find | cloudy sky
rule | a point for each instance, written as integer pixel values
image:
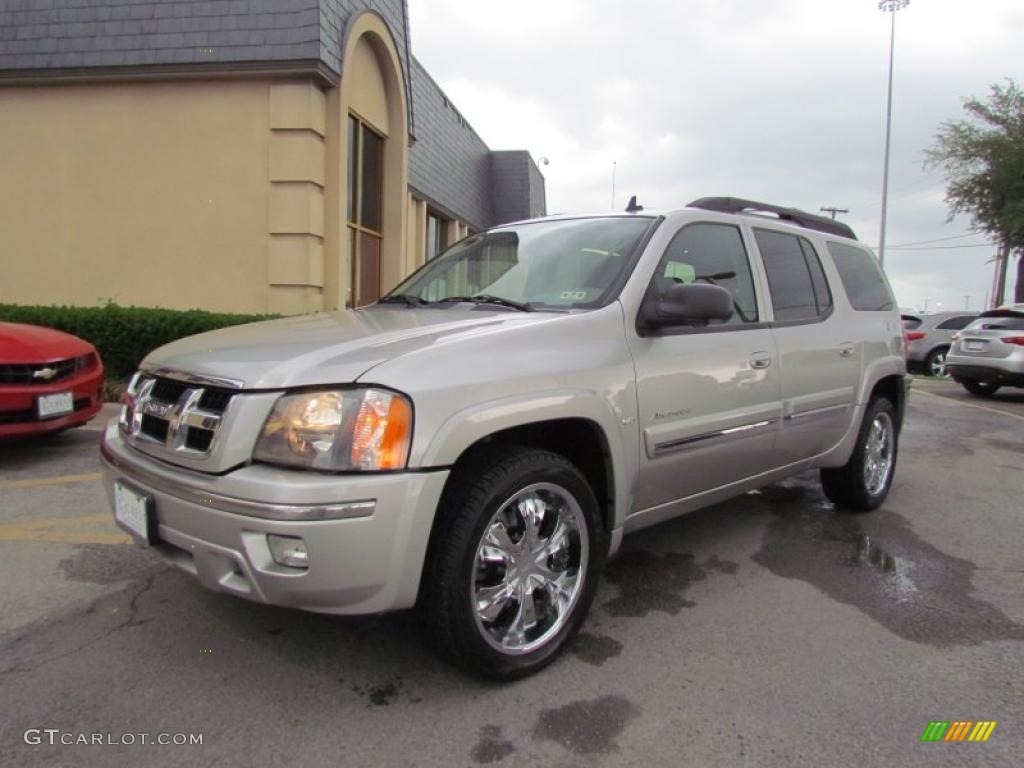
(774, 100)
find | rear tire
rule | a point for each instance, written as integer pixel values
(513, 563)
(981, 388)
(862, 484)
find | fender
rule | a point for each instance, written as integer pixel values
(875, 371)
(465, 427)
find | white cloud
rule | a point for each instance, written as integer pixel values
(782, 100)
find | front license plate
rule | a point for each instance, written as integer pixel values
(134, 511)
(59, 404)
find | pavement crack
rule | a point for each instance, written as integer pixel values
(132, 620)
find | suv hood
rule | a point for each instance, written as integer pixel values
(335, 348)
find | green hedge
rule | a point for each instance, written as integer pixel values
(124, 335)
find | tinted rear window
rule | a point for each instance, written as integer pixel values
(1014, 323)
(955, 323)
(795, 278)
(862, 279)
(910, 322)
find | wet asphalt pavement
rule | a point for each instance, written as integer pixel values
(767, 631)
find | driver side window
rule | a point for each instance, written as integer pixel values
(711, 253)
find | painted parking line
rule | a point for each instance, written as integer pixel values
(65, 530)
(1001, 412)
(39, 482)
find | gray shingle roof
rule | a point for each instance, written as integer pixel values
(68, 34)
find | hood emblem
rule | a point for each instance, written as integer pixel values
(44, 373)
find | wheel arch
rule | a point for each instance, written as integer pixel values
(580, 440)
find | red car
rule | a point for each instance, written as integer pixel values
(49, 380)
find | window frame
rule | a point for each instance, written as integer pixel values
(802, 241)
(756, 277)
(356, 228)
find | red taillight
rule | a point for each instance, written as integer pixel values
(1018, 340)
(915, 335)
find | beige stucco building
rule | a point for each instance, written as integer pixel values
(246, 156)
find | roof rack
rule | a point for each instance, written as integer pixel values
(794, 215)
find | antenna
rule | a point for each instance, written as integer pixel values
(633, 207)
(834, 211)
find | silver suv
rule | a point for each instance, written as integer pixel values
(478, 443)
(989, 353)
(929, 337)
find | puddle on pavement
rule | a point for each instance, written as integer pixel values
(1013, 446)
(904, 583)
(649, 581)
(491, 748)
(587, 727)
(594, 649)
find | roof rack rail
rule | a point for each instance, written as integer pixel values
(794, 215)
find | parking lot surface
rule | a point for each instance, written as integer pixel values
(766, 631)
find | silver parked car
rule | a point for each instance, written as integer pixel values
(478, 443)
(989, 353)
(929, 337)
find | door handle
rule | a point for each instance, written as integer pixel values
(760, 360)
(846, 349)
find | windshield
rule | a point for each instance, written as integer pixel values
(561, 264)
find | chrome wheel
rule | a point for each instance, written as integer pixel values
(878, 453)
(937, 365)
(529, 568)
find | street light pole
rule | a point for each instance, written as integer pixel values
(890, 7)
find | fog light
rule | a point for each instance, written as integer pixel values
(288, 550)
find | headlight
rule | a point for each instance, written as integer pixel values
(337, 430)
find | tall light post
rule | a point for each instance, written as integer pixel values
(890, 7)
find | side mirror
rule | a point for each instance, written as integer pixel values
(688, 304)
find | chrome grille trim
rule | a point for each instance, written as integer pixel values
(192, 378)
(179, 426)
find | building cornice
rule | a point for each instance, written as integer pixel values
(306, 68)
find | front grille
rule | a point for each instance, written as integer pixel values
(29, 414)
(16, 417)
(184, 417)
(155, 428)
(215, 400)
(42, 373)
(199, 439)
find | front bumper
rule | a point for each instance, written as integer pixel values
(18, 404)
(215, 528)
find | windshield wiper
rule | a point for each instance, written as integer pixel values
(485, 298)
(403, 298)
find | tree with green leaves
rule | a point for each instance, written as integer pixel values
(983, 158)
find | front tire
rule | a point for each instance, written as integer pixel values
(514, 562)
(981, 388)
(862, 484)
